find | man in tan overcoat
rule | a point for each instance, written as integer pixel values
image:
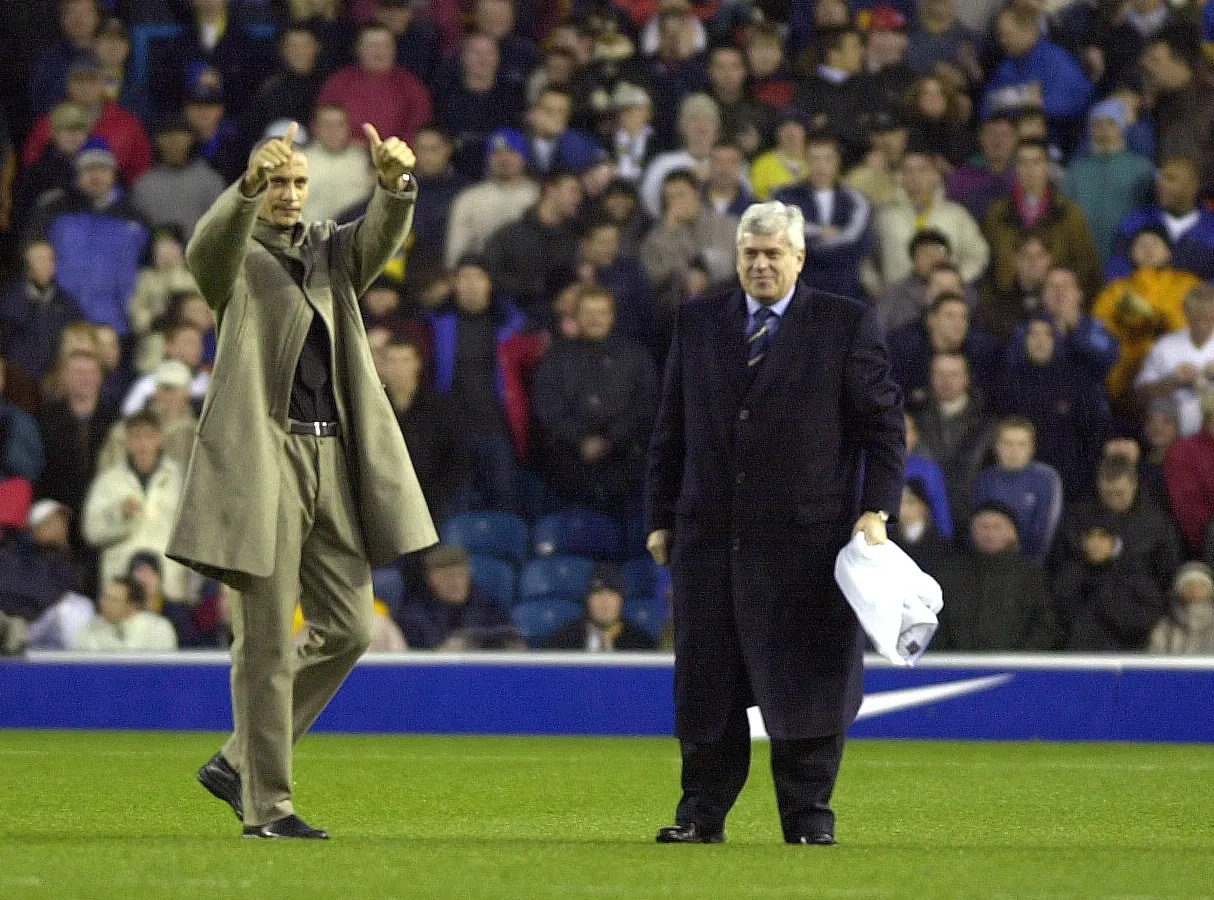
(299, 480)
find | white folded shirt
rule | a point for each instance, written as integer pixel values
(895, 601)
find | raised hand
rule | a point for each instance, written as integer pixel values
(268, 157)
(392, 158)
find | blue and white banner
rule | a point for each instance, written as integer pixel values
(955, 697)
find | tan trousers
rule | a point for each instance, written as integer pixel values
(280, 686)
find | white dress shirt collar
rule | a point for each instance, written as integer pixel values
(779, 307)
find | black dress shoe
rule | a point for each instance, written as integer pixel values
(287, 827)
(690, 834)
(218, 777)
(816, 839)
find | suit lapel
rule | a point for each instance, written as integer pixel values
(730, 344)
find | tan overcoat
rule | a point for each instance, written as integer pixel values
(225, 524)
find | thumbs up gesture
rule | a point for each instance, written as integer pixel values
(268, 157)
(392, 158)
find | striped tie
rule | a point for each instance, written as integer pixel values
(758, 340)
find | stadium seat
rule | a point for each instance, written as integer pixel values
(579, 532)
(539, 618)
(649, 613)
(388, 583)
(494, 577)
(488, 532)
(640, 577)
(555, 578)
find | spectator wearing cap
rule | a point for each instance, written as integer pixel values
(1105, 602)
(170, 402)
(473, 103)
(21, 453)
(885, 49)
(1188, 471)
(182, 185)
(34, 310)
(1110, 182)
(938, 36)
(1140, 308)
(922, 205)
(835, 95)
(550, 144)
(916, 531)
(78, 24)
(121, 131)
(1183, 92)
(785, 164)
(744, 121)
(1035, 72)
(877, 176)
(501, 198)
(339, 167)
(377, 90)
(113, 48)
(530, 258)
(592, 404)
(603, 630)
(1181, 363)
(452, 613)
(99, 238)
(633, 139)
(1188, 625)
(131, 506)
(470, 341)
(930, 477)
(37, 565)
(1188, 225)
(995, 598)
(220, 142)
(1037, 208)
(122, 624)
(699, 131)
(289, 92)
(838, 222)
(55, 168)
(988, 175)
(905, 301)
(1148, 534)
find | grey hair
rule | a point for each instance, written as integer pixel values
(773, 218)
(699, 105)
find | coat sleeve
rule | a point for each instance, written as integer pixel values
(367, 244)
(664, 472)
(873, 414)
(23, 456)
(632, 426)
(103, 523)
(221, 240)
(971, 250)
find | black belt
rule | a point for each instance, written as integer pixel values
(316, 429)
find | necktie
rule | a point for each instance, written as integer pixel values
(758, 339)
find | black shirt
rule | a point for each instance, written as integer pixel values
(312, 389)
(475, 387)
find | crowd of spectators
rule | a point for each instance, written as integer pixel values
(1022, 188)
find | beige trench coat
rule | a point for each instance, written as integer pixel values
(225, 525)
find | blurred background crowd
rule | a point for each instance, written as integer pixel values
(1022, 190)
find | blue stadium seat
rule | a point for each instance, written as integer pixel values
(649, 613)
(490, 533)
(580, 532)
(539, 618)
(494, 577)
(388, 584)
(640, 577)
(555, 578)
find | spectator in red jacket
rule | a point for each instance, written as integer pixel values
(123, 133)
(377, 90)
(1188, 470)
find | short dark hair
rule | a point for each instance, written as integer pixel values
(929, 236)
(1183, 42)
(681, 175)
(1040, 144)
(1016, 421)
(144, 418)
(999, 508)
(832, 39)
(134, 590)
(1116, 466)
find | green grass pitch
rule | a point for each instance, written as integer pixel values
(101, 815)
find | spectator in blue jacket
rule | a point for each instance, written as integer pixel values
(943, 328)
(21, 453)
(1035, 72)
(553, 146)
(100, 239)
(468, 340)
(34, 310)
(1068, 406)
(453, 614)
(838, 221)
(1031, 488)
(1189, 226)
(930, 476)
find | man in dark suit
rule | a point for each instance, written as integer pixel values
(779, 436)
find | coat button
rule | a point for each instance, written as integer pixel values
(740, 477)
(743, 415)
(737, 544)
